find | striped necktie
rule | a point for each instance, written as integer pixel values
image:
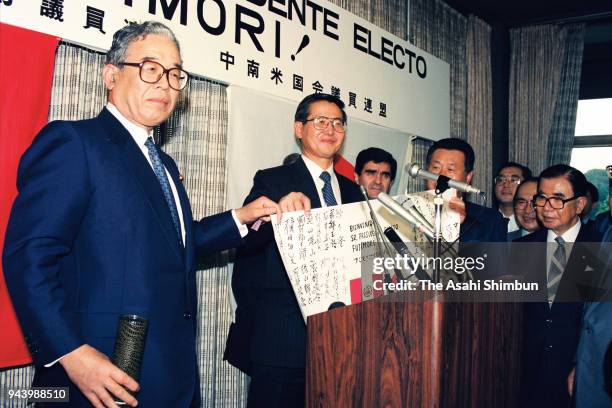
(557, 266)
(160, 172)
(328, 193)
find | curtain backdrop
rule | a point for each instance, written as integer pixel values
(465, 44)
(561, 140)
(479, 103)
(440, 30)
(419, 153)
(545, 67)
(390, 15)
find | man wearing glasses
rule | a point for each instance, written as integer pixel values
(551, 327)
(102, 227)
(507, 180)
(524, 209)
(268, 339)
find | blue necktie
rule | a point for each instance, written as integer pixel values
(160, 172)
(328, 193)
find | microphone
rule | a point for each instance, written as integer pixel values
(409, 205)
(416, 171)
(403, 250)
(380, 242)
(400, 211)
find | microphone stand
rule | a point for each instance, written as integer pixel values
(441, 187)
(380, 238)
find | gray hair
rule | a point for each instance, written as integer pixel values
(134, 31)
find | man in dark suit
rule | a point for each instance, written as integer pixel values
(454, 158)
(102, 227)
(524, 210)
(550, 328)
(268, 339)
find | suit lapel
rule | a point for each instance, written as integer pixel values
(345, 190)
(138, 165)
(303, 182)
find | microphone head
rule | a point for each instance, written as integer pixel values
(383, 197)
(413, 170)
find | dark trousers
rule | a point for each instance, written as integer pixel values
(276, 387)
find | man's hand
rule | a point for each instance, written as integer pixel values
(458, 205)
(294, 202)
(98, 378)
(570, 381)
(263, 207)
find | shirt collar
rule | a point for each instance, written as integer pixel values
(314, 169)
(138, 134)
(568, 236)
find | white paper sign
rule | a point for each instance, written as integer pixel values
(323, 252)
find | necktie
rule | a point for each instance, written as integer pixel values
(557, 266)
(160, 172)
(328, 193)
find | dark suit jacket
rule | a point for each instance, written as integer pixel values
(550, 334)
(91, 238)
(481, 229)
(269, 327)
(482, 224)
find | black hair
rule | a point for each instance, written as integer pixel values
(574, 176)
(592, 192)
(291, 158)
(452, 143)
(525, 171)
(376, 155)
(303, 109)
(529, 180)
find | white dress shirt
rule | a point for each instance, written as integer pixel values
(512, 225)
(315, 172)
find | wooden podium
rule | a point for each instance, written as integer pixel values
(419, 353)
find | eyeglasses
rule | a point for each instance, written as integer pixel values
(507, 179)
(556, 203)
(521, 204)
(322, 123)
(151, 72)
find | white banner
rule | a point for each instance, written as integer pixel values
(287, 48)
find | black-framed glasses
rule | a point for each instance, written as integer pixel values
(151, 72)
(522, 203)
(507, 179)
(322, 123)
(556, 203)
